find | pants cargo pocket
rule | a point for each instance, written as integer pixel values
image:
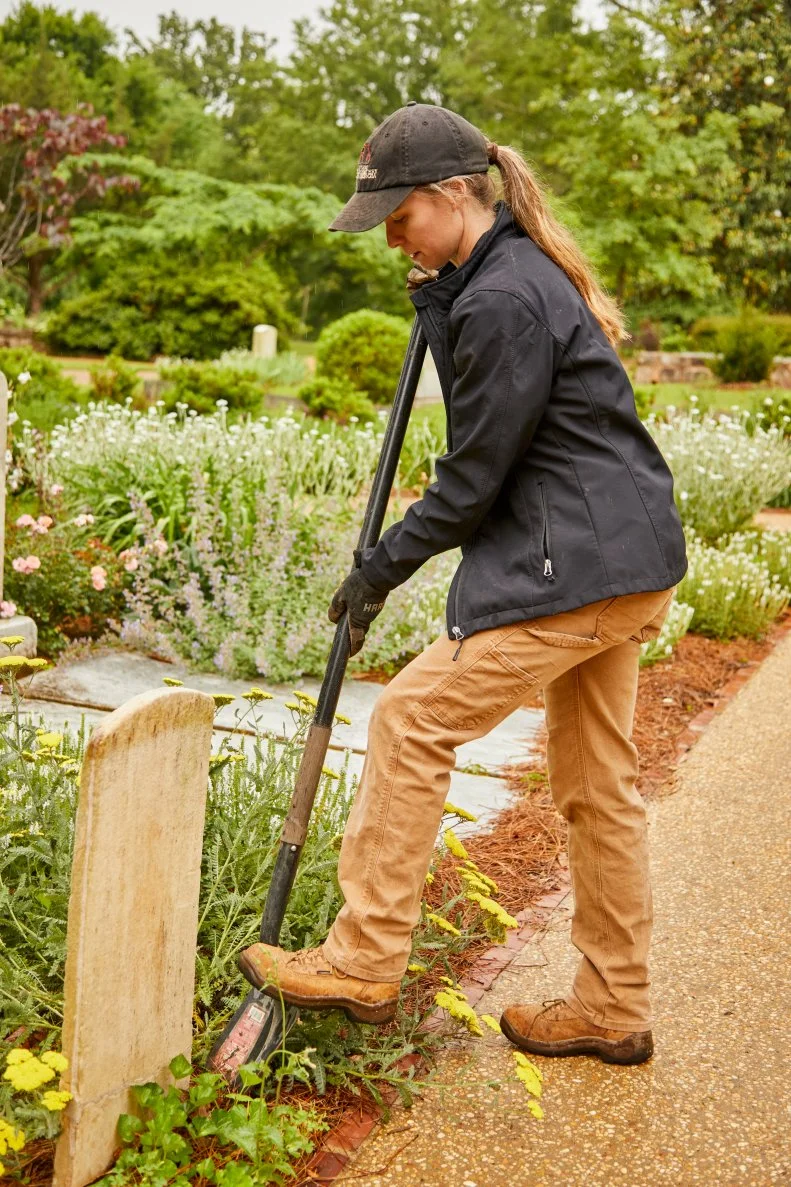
(489, 687)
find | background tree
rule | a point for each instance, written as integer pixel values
(42, 183)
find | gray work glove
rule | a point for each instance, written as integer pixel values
(362, 601)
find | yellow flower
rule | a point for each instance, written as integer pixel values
(55, 1101)
(10, 1138)
(328, 771)
(343, 719)
(12, 640)
(295, 705)
(55, 1059)
(18, 1055)
(492, 908)
(477, 873)
(536, 1110)
(462, 813)
(172, 682)
(454, 844)
(28, 1076)
(306, 697)
(11, 662)
(429, 879)
(222, 698)
(492, 1023)
(256, 694)
(473, 881)
(528, 1073)
(48, 741)
(460, 1010)
(444, 924)
(415, 968)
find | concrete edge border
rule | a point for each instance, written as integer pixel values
(346, 1138)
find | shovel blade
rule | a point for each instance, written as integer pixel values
(255, 1032)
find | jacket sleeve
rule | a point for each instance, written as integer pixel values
(504, 365)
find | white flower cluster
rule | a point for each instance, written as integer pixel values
(723, 474)
(733, 588)
(114, 448)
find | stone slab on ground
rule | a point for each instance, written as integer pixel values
(712, 1106)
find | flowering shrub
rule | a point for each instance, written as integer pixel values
(62, 576)
(722, 473)
(236, 535)
(732, 589)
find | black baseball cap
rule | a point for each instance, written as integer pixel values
(417, 144)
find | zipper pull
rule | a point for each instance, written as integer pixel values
(548, 569)
(458, 635)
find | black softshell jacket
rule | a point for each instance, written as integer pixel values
(552, 486)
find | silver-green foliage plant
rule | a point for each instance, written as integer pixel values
(675, 626)
(723, 474)
(733, 589)
(284, 369)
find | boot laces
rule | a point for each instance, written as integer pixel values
(312, 960)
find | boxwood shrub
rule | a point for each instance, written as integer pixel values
(366, 349)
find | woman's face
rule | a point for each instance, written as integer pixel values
(427, 228)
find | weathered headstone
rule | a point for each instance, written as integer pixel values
(17, 624)
(133, 915)
(264, 342)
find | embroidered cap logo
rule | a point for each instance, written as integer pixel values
(364, 171)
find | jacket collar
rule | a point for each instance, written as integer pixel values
(442, 292)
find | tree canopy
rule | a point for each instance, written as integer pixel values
(663, 136)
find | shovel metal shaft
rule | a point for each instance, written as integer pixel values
(256, 1028)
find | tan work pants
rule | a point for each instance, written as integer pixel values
(586, 661)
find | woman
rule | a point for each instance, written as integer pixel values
(563, 509)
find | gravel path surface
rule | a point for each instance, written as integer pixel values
(713, 1105)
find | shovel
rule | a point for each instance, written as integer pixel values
(260, 1023)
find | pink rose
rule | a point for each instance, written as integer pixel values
(45, 521)
(98, 577)
(56, 489)
(160, 546)
(129, 558)
(25, 521)
(25, 564)
(7, 609)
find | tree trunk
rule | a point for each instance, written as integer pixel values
(35, 283)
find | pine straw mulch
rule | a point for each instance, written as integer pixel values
(524, 850)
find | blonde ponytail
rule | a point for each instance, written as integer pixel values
(524, 196)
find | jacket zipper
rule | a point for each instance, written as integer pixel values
(458, 633)
(547, 537)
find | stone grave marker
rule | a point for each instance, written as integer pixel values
(133, 915)
(264, 342)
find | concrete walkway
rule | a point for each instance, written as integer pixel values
(712, 1106)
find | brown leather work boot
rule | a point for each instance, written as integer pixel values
(307, 979)
(553, 1028)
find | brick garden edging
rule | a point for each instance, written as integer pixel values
(338, 1148)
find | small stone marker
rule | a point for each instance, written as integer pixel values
(133, 916)
(18, 624)
(264, 342)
